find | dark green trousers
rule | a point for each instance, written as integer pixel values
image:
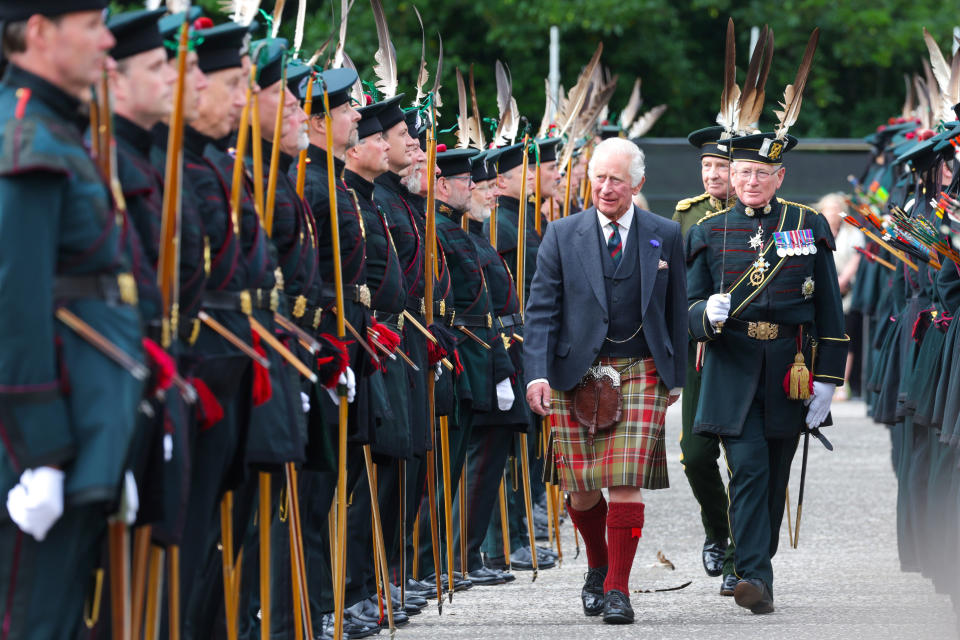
(760, 469)
(459, 441)
(699, 455)
(486, 455)
(43, 585)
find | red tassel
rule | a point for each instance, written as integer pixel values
(435, 353)
(209, 411)
(162, 365)
(636, 532)
(331, 366)
(386, 338)
(261, 376)
(457, 365)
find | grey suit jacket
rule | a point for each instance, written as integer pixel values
(566, 316)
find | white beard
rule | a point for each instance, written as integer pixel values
(412, 181)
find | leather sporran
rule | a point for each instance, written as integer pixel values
(597, 400)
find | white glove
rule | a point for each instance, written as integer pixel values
(718, 307)
(348, 379)
(505, 395)
(437, 372)
(818, 405)
(305, 401)
(167, 447)
(129, 500)
(37, 501)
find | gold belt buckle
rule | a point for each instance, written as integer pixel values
(364, 292)
(489, 321)
(423, 307)
(400, 321)
(453, 314)
(246, 302)
(127, 285)
(443, 307)
(316, 317)
(299, 306)
(763, 330)
(274, 300)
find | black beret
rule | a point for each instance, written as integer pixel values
(18, 10)
(338, 83)
(135, 32)
(455, 162)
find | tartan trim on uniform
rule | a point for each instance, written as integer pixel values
(633, 453)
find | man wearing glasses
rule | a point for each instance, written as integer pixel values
(763, 295)
(699, 454)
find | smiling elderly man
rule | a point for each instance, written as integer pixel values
(764, 296)
(605, 338)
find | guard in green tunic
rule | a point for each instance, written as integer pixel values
(763, 294)
(67, 410)
(699, 454)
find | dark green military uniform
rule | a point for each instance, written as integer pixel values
(793, 300)
(62, 402)
(699, 454)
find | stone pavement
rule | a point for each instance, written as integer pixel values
(843, 581)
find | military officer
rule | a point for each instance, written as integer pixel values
(763, 271)
(68, 410)
(492, 437)
(366, 161)
(318, 484)
(699, 454)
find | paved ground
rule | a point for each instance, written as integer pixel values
(842, 582)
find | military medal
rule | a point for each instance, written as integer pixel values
(807, 288)
(756, 241)
(760, 267)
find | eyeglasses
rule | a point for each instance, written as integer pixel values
(760, 175)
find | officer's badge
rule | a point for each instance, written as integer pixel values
(807, 288)
(756, 241)
(772, 149)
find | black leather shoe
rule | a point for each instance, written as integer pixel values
(354, 628)
(616, 608)
(409, 599)
(545, 554)
(592, 592)
(713, 552)
(497, 563)
(459, 583)
(755, 595)
(728, 585)
(420, 588)
(523, 561)
(365, 612)
(485, 577)
(506, 576)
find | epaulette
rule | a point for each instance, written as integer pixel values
(714, 214)
(686, 203)
(797, 204)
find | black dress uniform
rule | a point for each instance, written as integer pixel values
(493, 432)
(785, 301)
(62, 402)
(700, 454)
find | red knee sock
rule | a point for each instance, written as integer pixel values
(624, 526)
(592, 525)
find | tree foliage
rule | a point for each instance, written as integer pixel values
(677, 49)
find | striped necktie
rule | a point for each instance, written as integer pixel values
(615, 244)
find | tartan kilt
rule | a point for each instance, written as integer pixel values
(632, 453)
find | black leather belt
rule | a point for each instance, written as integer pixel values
(473, 321)
(510, 320)
(762, 330)
(359, 293)
(120, 288)
(393, 320)
(244, 301)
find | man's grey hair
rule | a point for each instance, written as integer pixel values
(624, 147)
